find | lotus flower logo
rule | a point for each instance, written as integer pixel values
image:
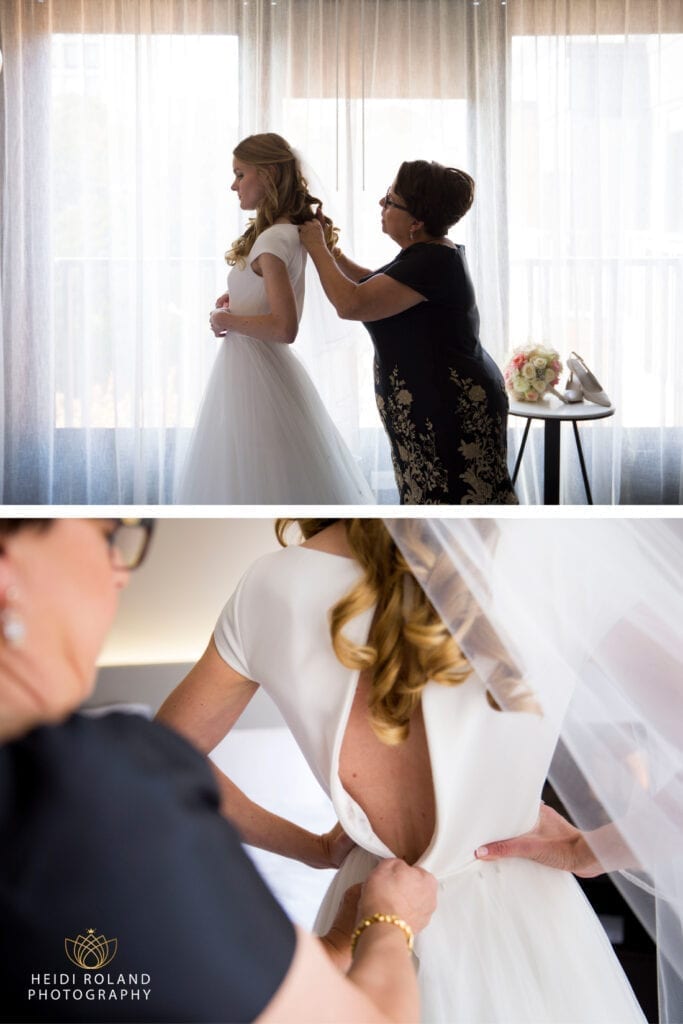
(90, 951)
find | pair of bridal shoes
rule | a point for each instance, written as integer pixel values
(582, 384)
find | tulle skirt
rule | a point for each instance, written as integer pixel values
(264, 437)
(510, 942)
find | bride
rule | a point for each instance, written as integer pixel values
(263, 435)
(421, 759)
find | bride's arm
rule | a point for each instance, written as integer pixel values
(203, 708)
(281, 324)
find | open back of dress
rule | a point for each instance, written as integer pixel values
(392, 784)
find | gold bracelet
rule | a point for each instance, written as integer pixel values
(383, 919)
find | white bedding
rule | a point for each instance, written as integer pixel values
(267, 764)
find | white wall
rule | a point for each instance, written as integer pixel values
(168, 611)
(151, 684)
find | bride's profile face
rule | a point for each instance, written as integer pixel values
(248, 184)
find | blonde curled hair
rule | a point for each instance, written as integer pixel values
(409, 644)
(286, 192)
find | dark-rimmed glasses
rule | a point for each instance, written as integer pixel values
(130, 540)
(388, 201)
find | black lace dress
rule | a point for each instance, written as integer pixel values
(440, 395)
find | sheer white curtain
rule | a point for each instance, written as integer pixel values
(118, 124)
(596, 226)
(119, 117)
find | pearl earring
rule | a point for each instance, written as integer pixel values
(12, 626)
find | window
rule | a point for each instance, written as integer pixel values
(142, 131)
(597, 238)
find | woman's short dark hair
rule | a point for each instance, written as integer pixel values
(11, 526)
(437, 195)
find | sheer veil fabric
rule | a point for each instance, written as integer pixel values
(579, 621)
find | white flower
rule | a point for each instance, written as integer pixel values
(530, 380)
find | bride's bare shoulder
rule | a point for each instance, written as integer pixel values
(332, 540)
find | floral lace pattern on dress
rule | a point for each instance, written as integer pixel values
(421, 477)
(486, 474)
(478, 436)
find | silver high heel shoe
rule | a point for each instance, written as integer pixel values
(590, 385)
(572, 391)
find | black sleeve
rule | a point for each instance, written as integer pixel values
(113, 855)
(437, 272)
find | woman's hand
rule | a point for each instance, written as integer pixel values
(223, 301)
(552, 841)
(396, 888)
(311, 235)
(337, 941)
(219, 321)
(335, 846)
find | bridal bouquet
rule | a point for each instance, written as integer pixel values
(531, 371)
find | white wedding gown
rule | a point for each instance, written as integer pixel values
(263, 435)
(510, 941)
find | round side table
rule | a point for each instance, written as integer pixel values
(553, 412)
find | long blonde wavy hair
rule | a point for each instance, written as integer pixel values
(408, 644)
(286, 190)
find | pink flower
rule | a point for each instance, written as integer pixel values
(519, 360)
(531, 395)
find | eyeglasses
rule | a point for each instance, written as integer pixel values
(388, 201)
(130, 540)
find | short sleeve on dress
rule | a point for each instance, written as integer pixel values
(435, 271)
(227, 635)
(280, 240)
(111, 829)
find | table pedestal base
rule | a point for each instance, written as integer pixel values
(551, 461)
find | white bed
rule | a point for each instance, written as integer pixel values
(267, 764)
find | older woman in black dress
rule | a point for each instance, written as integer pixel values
(113, 823)
(440, 395)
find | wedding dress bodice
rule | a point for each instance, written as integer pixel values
(246, 288)
(275, 630)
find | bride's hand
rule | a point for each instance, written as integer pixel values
(311, 235)
(223, 301)
(337, 941)
(335, 846)
(219, 321)
(552, 841)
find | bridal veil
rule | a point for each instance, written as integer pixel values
(580, 621)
